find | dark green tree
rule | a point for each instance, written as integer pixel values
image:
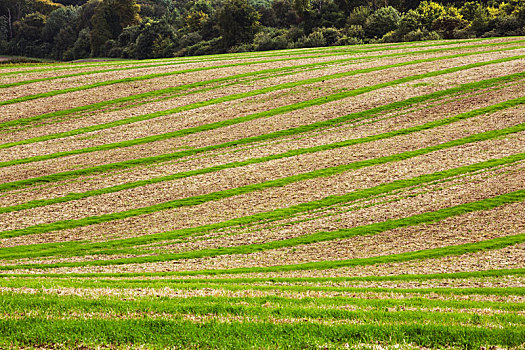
(109, 18)
(238, 22)
(28, 36)
(382, 21)
(156, 40)
(60, 19)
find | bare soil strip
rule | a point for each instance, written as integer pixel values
(403, 208)
(269, 199)
(93, 95)
(334, 135)
(35, 72)
(78, 81)
(473, 227)
(218, 157)
(252, 128)
(136, 87)
(136, 293)
(330, 70)
(329, 218)
(257, 173)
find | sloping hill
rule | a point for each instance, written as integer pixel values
(364, 196)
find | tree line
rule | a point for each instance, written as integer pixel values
(75, 29)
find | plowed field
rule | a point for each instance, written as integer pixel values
(366, 197)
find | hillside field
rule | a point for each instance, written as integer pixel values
(368, 196)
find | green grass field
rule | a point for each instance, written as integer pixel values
(369, 197)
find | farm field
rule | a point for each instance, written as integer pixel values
(368, 196)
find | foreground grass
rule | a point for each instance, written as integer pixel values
(180, 333)
(253, 322)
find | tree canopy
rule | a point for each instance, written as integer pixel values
(72, 29)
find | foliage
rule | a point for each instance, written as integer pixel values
(270, 39)
(238, 22)
(58, 29)
(382, 21)
(449, 23)
(109, 18)
(359, 15)
(156, 39)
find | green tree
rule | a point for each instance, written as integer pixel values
(28, 36)
(196, 20)
(43, 6)
(410, 21)
(382, 21)
(81, 48)
(359, 15)
(448, 23)
(238, 22)
(302, 7)
(60, 19)
(429, 12)
(156, 39)
(109, 18)
(285, 14)
(4, 29)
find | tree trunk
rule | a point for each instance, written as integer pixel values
(9, 21)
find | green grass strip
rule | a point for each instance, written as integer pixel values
(59, 307)
(80, 248)
(125, 80)
(196, 200)
(80, 74)
(12, 301)
(248, 280)
(87, 281)
(392, 278)
(245, 55)
(179, 62)
(184, 334)
(371, 229)
(24, 121)
(157, 92)
(144, 77)
(264, 114)
(490, 244)
(442, 122)
(287, 132)
(156, 75)
(151, 94)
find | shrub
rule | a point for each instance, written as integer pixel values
(355, 31)
(420, 35)
(81, 48)
(348, 40)
(330, 35)
(359, 15)
(202, 48)
(390, 37)
(155, 40)
(270, 39)
(410, 21)
(429, 12)
(382, 21)
(315, 39)
(450, 22)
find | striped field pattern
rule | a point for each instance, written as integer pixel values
(366, 197)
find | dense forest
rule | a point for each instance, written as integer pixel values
(74, 29)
